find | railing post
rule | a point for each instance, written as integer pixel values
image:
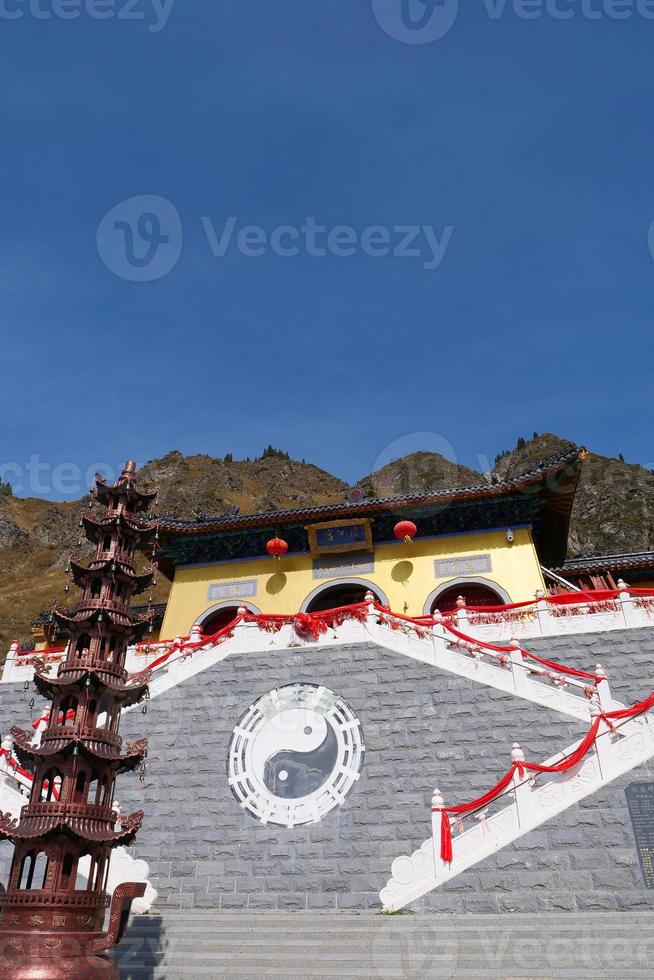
(9, 671)
(543, 614)
(603, 743)
(462, 614)
(371, 612)
(522, 790)
(518, 668)
(241, 631)
(437, 627)
(629, 609)
(437, 805)
(5, 754)
(603, 689)
(41, 726)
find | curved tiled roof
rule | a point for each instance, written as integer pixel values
(600, 563)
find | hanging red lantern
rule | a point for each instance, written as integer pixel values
(277, 547)
(405, 530)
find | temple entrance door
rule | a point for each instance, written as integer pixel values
(219, 620)
(345, 594)
(474, 595)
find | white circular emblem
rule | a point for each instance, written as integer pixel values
(295, 755)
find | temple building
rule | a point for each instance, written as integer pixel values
(488, 543)
(385, 704)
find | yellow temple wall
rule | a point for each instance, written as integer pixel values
(405, 573)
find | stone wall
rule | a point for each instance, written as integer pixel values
(422, 727)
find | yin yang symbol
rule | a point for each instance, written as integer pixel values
(295, 755)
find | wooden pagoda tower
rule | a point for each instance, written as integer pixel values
(52, 916)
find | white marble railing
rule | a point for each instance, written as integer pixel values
(543, 618)
(525, 806)
(432, 645)
(512, 672)
(546, 618)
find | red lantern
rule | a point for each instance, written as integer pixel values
(276, 547)
(405, 530)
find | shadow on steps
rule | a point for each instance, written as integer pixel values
(143, 948)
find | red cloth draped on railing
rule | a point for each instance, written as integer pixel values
(29, 776)
(310, 623)
(40, 653)
(496, 648)
(568, 762)
(461, 808)
(314, 624)
(589, 597)
(214, 638)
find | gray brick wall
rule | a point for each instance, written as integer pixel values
(422, 728)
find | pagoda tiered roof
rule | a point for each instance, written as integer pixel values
(125, 487)
(128, 688)
(95, 525)
(96, 743)
(93, 823)
(82, 573)
(542, 497)
(90, 612)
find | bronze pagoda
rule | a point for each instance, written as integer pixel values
(51, 916)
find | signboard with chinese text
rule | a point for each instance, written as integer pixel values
(465, 565)
(336, 537)
(640, 800)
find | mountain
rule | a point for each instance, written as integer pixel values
(37, 535)
(613, 512)
(418, 472)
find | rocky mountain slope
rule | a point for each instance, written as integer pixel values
(614, 509)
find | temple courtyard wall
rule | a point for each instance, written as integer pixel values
(422, 728)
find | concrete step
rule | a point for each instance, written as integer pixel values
(257, 921)
(176, 916)
(252, 940)
(342, 946)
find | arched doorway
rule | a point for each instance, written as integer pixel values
(343, 593)
(476, 592)
(220, 616)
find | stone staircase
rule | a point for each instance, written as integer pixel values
(513, 673)
(530, 801)
(180, 945)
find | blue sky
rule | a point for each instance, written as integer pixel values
(531, 140)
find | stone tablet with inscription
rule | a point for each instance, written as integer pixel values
(640, 800)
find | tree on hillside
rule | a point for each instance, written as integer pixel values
(271, 453)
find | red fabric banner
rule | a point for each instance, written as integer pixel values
(565, 764)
